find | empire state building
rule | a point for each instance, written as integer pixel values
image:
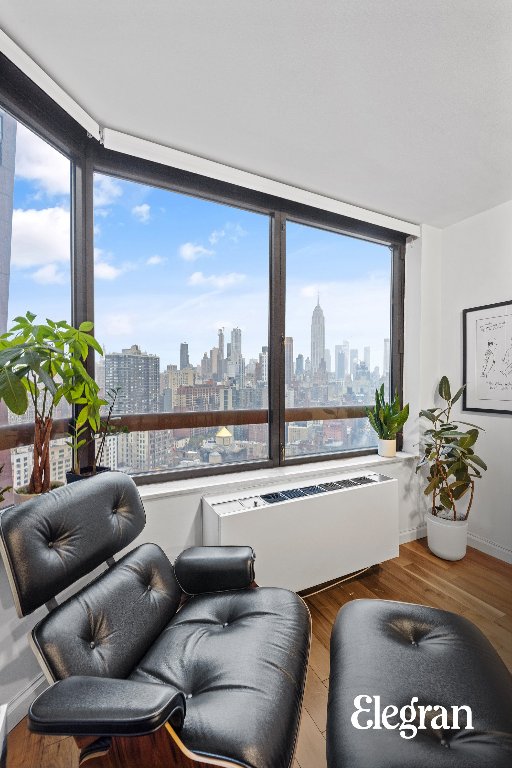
(317, 337)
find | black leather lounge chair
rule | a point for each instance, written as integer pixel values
(153, 664)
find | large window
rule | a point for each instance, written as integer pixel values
(181, 308)
(34, 260)
(240, 330)
(337, 344)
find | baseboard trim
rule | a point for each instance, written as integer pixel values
(490, 547)
(18, 706)
(413, 533)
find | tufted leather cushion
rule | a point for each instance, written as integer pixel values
(53, 539)
(109, 625)
(241, 663)
(397, 651)
(214, 569)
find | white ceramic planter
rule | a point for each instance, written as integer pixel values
(447, 538)
(19, 498)
(387, 448)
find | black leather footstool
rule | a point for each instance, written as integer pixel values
(388, 653)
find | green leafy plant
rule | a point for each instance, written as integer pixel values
(387, 419)
(448, 451)
(82, 432)
(39, 365)
(3, 490)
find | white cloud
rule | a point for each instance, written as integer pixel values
(50, 274)
(40, 163)
(142, 212)
(102, 269)
(155, 260)
(216, 281)
(215, 236)
(106, 191)
(232, 231)
(105, 271)
(192, 251)
(235, 232)
(40, 237)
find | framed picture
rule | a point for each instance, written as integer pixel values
(487, 358)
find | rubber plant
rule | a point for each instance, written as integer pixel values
(40, 364)
(387, 419)
(449, 453)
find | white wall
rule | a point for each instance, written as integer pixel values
(477, 270)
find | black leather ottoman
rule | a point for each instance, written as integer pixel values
(386, 653)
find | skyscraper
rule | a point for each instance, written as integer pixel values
(137, 375)
(299, 365)
(366, 357)
(385, 367)
(264, 364)
(346, 352)
(317, 337)
(354, 357)
(236, 344)
(184, 359)
(220, 355)
(288, 359)
(339, 362)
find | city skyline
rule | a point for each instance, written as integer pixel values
(186, 281)
(162, 260)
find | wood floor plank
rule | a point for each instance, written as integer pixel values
(420, 548)
(319, 658)
(315, 700)
(462, 595)
(311, 744)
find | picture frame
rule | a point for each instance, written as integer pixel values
(487, 358)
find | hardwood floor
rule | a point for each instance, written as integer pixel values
(478, 587)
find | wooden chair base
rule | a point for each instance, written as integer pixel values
(162, 749)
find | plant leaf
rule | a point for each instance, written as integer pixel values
(12, 392)
(477, 460)
(444, 388)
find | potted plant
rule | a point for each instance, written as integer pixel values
(39, 365)
(387, 419)
(81, 434)
(453, 468)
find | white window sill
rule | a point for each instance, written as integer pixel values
(259, 477)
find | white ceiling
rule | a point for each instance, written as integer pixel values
(399, 106)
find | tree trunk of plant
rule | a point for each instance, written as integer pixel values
(40, 479)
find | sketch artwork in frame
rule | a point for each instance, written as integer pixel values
(487, 358)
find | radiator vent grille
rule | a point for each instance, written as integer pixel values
(311, 490)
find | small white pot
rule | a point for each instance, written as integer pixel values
(387, 448)
(447, 538)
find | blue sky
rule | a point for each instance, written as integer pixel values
(171, 268)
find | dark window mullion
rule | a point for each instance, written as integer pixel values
(276, 338)
(82, 256)
(397, 324)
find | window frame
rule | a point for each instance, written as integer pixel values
(31, 106)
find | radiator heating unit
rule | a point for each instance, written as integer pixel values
(305, 535)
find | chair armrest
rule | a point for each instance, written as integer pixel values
(103, 706)
(214, 569)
